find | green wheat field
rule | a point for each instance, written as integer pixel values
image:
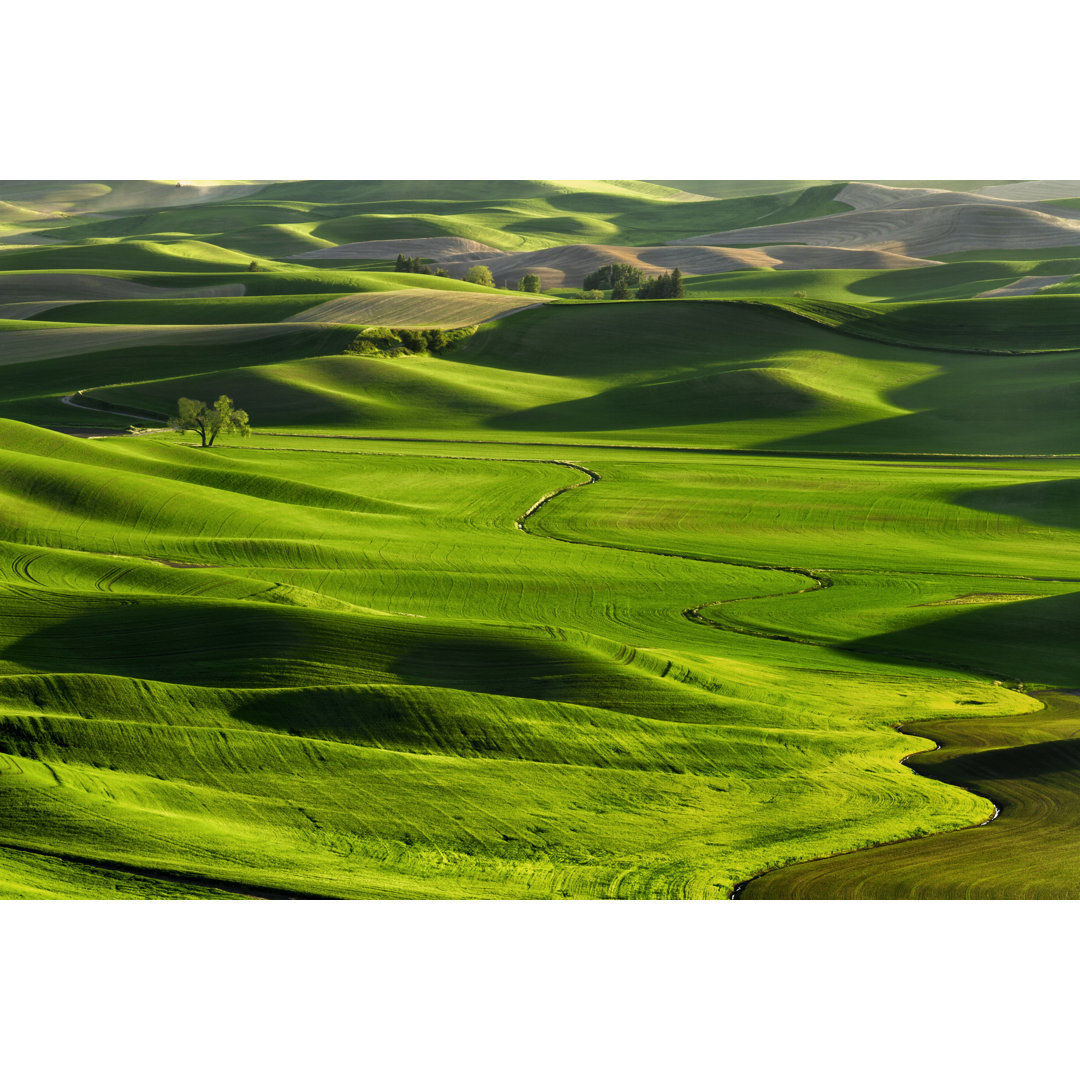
(769, 587)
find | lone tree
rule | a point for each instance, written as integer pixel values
(480, 275)
(529, 283)
(210, 421)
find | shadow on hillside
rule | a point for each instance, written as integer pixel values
(975, 404)
(905, 284)
(1046, 502)
(547, 670)
(213, 645)
(1009, 763)
(751, 393)
(618, 340)
(544, 669)
(1031, 641)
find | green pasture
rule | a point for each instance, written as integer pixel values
(448, 662)
(174, 253)
(265, 304)
(790, 375)
(612, 600)
(950, 281)
(894, 543)
(288, 280)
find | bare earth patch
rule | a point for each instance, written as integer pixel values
(407, 308)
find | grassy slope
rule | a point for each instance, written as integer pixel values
(266, 304)
(689, 374)
(952, 281)
(537, 708)
(426, 661)
(175, 253)
(291, 218)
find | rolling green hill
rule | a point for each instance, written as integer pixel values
(637, 599)
(427, 660)
(291, 218)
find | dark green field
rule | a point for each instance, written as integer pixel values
(638, 599)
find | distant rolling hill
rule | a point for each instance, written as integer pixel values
(541, 595)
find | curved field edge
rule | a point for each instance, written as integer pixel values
(1028, 766)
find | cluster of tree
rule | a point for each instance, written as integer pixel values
(529, 283)
(612, 276)
(664, 287)
(385, 341)
(406, 265)
(209, 421)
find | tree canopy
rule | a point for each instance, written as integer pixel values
(210, 420)
(664, 287)
(613, 275)
(480, 275)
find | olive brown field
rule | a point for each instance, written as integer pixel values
(767, 590)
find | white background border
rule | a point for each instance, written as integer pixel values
(520, 990)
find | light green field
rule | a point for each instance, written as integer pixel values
(610, 600)
(451, 660)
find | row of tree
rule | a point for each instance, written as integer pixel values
(389, 341)
(621, 279)
(407, 265)
(664, 287)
